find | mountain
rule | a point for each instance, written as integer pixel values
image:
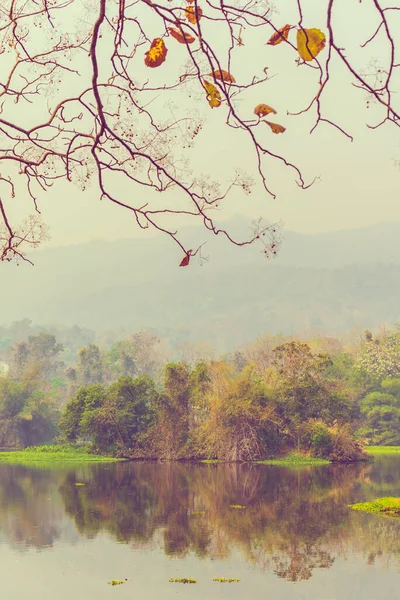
(326, 283)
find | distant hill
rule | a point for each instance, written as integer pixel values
(319, 283)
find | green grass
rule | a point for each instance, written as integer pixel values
(388, 507)
(295, 460)
(52, 454)
(382, 449)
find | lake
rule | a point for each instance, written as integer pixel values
(285, 533)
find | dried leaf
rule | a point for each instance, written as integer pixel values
(276, 128)
(157, 53)
(223, 75)
(193, 14)
(185, 261)
(213, 95)
(263, 109)
(310, 42)
(181, 36)
(279, 36)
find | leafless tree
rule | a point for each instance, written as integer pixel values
(80, 100)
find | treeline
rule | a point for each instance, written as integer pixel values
(275, 395)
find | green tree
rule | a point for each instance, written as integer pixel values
(381, 411)
(86, 400)
(90, 365)
(28, 415)
(303, 390)
(115, 418)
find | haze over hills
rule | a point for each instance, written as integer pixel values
(325, 283)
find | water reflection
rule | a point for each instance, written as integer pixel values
(294, 521)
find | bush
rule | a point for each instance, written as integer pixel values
(321, 440)
(345, 448)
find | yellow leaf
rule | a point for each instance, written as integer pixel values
(310, 42)
(279, 36)
(275, 127)
(157, 53)
(193, 14)
(263, 109)
(223, 75)
(213, 95)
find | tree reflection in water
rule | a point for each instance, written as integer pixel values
(294, 521)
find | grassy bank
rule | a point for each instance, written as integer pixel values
(382, 449)
(388, 507)
(295, 460)
(51, 454)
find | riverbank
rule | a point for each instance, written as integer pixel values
(66, 453)
(52, 454)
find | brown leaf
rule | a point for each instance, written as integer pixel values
(181, 36)
(193, 14)
(263, 109)
(223, 75)
(279, 36)
(276, 128)
(185, 261)
(157, 53)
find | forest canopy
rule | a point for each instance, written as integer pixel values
(136, 398)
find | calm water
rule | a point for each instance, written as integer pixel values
(296, 538)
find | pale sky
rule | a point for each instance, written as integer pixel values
(359, 182)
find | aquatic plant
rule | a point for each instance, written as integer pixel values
(182, 580)
(116, 581)
(239, 506)
(225, 580)
(388, 507)
(295, 459)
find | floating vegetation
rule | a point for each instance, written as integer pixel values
(295, 459)
(116, 581)
(226, 580)
(182, 580)
(198, 512)
(78, 484)
(388, 507)
(239, 506)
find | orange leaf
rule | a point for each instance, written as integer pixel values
(181, 36)
(193, 14)
(157, 53)
(279, 36)
(213, 95)
(223, 75)
(310, 42)
(275, 127)
(185, 261)
(263, 109)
